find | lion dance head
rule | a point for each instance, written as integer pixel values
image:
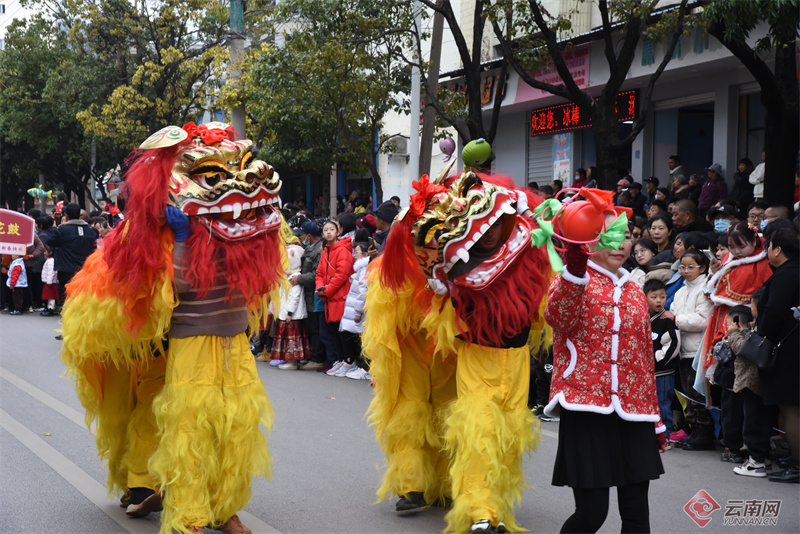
(230, 199)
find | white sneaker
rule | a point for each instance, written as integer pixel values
(288, 365)
(344, 369)
(751, 468)
(336, 366)
(358, 374)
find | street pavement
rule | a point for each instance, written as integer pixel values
(326, 463)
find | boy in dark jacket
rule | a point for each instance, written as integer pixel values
(666, 347)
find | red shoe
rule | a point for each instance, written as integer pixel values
(680, 435)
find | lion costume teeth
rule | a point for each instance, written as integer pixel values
(456, 218)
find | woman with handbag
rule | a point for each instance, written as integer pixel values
(777, 323)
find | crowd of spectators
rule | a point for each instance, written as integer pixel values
(713, 263)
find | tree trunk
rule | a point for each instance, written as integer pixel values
(781, 138)
(605, 130)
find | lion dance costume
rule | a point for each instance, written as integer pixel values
(450, 316)
(155, 326)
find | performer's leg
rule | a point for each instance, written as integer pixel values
(209, 387)
(112, 422)
(410, 426)
(443, 392)
(488, 429)
(634, 507)
(243, 450)
(591, 510)
(142, 441)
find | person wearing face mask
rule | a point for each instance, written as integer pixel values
(310, 237)
(723, 216)
(580, 178)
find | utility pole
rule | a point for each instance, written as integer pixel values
(432, 91)
(413, 138)
(236, 38)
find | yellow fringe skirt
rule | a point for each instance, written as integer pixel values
(412, 437)
(208, 417)
(487, 430)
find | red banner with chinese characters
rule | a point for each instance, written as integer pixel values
(566, 117)
(16, 232)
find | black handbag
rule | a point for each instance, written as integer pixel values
(759, 351)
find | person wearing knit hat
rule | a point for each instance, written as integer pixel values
(384, 216)
(387, 211)
(368, 222)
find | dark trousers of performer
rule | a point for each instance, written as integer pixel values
(591, 509)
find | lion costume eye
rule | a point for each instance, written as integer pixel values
(208, 177)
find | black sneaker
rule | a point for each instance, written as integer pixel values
(47, 313)
(736, 457)
(549, 418)
(412, 501)
(15, 312)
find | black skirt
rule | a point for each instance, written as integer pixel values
(601, 451)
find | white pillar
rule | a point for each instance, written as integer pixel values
(725, 130)
(333, 184)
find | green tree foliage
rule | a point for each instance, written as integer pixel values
(320, 93)
(43, 85)
(167, 56)
(107, 72)
(732, 23)
(531, 37)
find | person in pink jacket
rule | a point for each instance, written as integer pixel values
(604, 390)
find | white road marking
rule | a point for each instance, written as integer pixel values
(81, 479)
(51, 402)
(74, 475)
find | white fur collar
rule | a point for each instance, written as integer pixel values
(360, 264)
(618, 279)
(711, 285)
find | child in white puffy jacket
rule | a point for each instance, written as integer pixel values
(691, 310)
(290, 342)
(352, 323)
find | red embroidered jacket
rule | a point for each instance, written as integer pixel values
(602, 348)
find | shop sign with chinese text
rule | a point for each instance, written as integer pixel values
(565, 117)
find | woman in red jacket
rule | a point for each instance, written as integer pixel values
(333, 283)
(604, 390)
